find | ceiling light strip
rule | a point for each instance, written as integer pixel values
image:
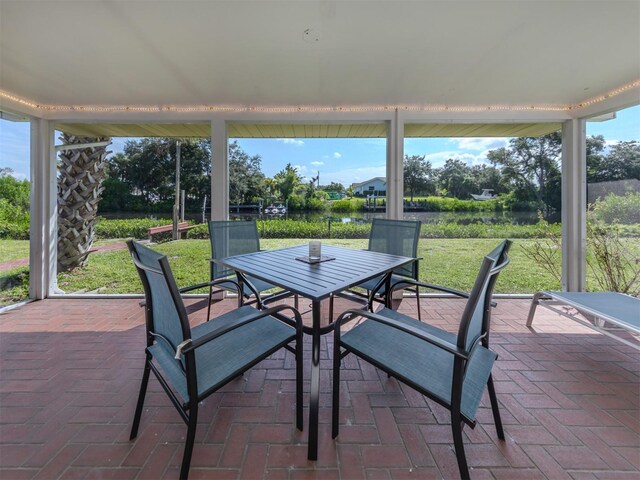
(602, 98)
(317, 109)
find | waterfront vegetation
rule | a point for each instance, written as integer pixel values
(449, 249)
(445, 261)
(451, 262)
(451, 245)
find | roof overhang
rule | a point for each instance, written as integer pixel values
(134, 63)
(309, 130)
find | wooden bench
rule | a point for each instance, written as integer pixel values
(159, 233)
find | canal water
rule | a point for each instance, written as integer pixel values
(459, 218)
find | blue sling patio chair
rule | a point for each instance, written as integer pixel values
(230, 238)
(450, 369)
(193, 362)
(396, 237)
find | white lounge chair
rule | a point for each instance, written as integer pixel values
(593, 309)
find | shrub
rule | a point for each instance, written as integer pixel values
(292, 229)
(448, 204)
(614, 265)
(347, 205)
(295, 202)
(15, 192)
(480, 230)
(316, 204)
(298, 229)
(302, 229)
(198, 232)
(11, 213)
(127, 228)
(613, 208)
(14, 231)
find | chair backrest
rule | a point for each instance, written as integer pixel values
(166, 318)
(396, 237)
(475, 322)
(230, 238)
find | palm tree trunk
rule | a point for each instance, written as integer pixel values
(81, 172)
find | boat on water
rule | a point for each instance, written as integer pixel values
(485, 195)
(275, 209)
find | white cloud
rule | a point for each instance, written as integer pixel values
(302, 169)
(20, 176)
(481, 143)
(353, 175)
(337, 155)
(291, 141)
(438, 159)
(317, 163)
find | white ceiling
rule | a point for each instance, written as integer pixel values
(256, 53)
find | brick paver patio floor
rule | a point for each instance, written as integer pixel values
(70, 372)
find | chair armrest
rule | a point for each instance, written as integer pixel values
(253, 289)
(213, 283)
(409, 281)
(194, 287)
(438, 342)
(273, 311)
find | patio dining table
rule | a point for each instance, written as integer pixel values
(341, 268)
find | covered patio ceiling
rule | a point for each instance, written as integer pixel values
(127, 59)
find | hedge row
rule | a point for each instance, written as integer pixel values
(127, 228)
(138, 228)
(14, 231)
(300, 229)
(447, 204)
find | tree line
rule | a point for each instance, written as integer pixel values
(142, 178)
(528, 170)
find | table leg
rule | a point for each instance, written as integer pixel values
(387, 291)
(314, 395)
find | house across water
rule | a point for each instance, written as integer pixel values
(375, 186)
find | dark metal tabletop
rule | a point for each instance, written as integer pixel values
(314, 281)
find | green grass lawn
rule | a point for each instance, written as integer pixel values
(13, 250)
(14, 283)
(446, 262)
(450, 262)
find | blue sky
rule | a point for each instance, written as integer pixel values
(338, 160)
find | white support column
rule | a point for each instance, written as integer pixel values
(395, 170)
(219, 170)
(43, 226)
(574, 205)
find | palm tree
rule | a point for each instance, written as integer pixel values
(81, 172)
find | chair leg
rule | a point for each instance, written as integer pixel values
(335, 404)
(191, 436)
(418, 304)
(532, 308)
(209, 306)
(456, 427)
(141, 395)
(295, 301)
(331, 308)
(299, 383)
(495, 408)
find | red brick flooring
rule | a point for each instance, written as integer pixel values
(70, 371)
